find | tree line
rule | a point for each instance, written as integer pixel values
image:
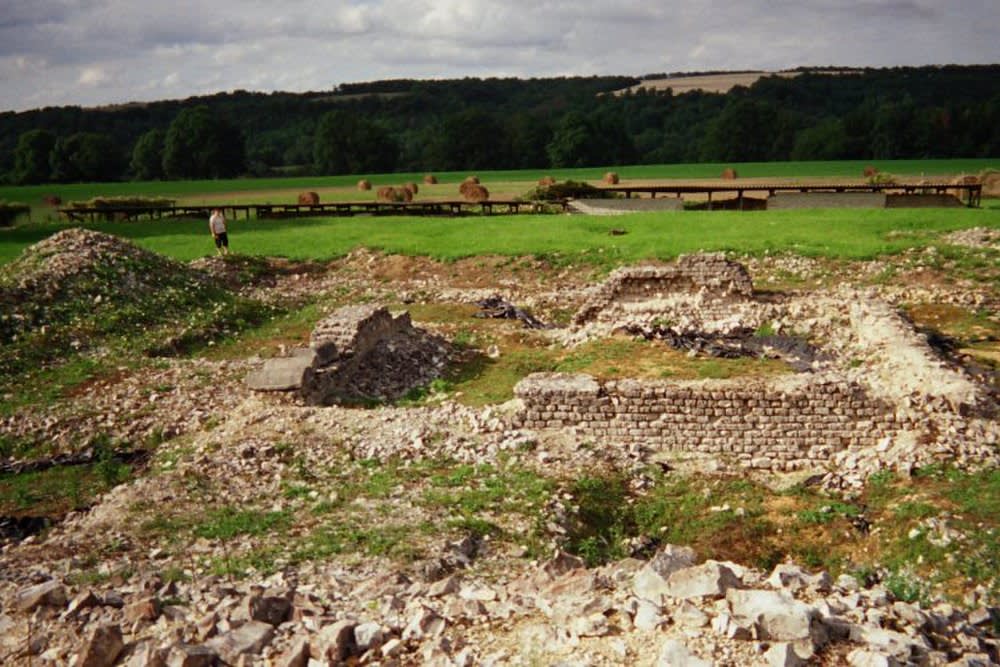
(479, 124)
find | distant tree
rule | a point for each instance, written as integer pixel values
(31, 157)
(825, 140)
(581, 140)
(85, 157)
(471, 139)
(347, 143)
(147, 156)
(746, 131)
(202, 144)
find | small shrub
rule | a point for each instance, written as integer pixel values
(11, 211)
(567, 190)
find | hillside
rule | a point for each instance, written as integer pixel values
(480, 124)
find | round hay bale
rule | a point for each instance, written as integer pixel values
(412, 187)
(52, 200)
(386, 193)
(475, 193)
(471, 179)
(403, 193)
(465, 186)
(729, 174)
(309, 198)
(990, 178)
(546, 181)
(430, 179)
(870, 171)
(611, 178)
(364, 184)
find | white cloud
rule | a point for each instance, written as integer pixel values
(107, 51)
(93, 76)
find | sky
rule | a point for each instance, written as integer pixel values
(98, 52)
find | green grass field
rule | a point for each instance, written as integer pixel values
(507, 183)
(837, 233)
(834, 233)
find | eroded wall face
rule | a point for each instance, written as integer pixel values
(773, 426)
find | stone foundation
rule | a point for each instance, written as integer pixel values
(706, 281)
(784, 424)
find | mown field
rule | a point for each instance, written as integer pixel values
(833, 233)
(500, 183)
(848, 234)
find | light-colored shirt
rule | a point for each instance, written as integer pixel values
(217, 223)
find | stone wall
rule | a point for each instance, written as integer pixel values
(704, 274)
(355, 330)
(788, 423)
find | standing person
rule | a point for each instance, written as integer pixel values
(217, 225)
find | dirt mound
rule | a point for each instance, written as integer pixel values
(73, 289)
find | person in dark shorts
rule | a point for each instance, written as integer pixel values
(217, 225)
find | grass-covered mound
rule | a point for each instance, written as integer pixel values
(81, 290)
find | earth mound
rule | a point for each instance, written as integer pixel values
(79, 287)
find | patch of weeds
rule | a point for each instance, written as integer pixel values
(291, 491)
(906, 587)
(827, 513)
(766, 329)
(712, 369)
(228, 522)
(260, 561)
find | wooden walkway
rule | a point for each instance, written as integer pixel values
(971, 194)
(279, 211)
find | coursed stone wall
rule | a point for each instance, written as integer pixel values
(704, 274)
(786, 424)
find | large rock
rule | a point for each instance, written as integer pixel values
(103, 645)
(674, 653)
(248, 639)
(188, 655)
(710, 579)
(282, 374)
(271, 609)
(650, 582)
(334, 642)
(48, 594)
(777, 615)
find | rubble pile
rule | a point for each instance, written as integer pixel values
(669, 610)
(358, 353)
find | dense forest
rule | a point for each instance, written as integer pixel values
(474, 124)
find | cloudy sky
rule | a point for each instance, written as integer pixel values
(92, 52)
